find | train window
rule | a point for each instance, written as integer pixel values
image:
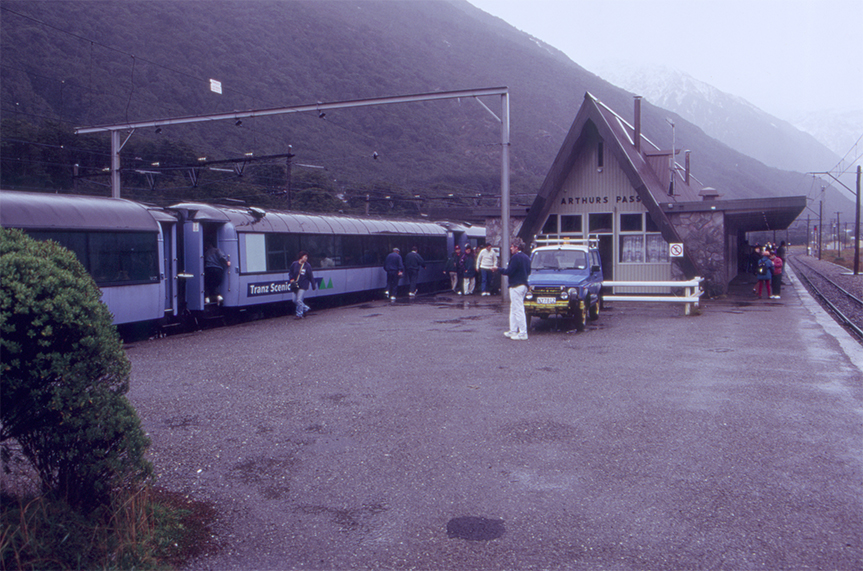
(281, 251)
(256, 253)
(434, 249)
(321, 249)
(375, 250)
(112, 258)
(121, 257)
(73, 241)
(349, 251)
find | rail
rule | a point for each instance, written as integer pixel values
(691, 295)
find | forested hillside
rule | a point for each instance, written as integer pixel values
(76, 63)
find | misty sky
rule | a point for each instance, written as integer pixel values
(784, 56)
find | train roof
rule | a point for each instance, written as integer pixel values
(257, 220)
(47, 211)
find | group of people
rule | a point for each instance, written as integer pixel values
(463, 268)
(395, 268)
(766, 263)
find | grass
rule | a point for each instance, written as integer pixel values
(844, 258)
(150, 528)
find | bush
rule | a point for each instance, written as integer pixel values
(65, 376)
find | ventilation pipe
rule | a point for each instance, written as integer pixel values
(638, 123)
(686, 166)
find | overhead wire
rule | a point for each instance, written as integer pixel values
(333, 161)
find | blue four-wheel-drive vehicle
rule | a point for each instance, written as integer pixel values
(565, 281)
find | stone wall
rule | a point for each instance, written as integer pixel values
(703, 235)
(493, 229)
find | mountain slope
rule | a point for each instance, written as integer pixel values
(98, 62)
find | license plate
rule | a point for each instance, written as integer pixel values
(546, 300)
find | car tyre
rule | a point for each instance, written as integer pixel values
(594, 309)
(581, 317)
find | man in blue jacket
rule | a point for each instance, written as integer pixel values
(413, 264)
(394, 267)
(517, 271)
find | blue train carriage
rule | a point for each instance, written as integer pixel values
(125, 246)
(346, 253)
(461, 234)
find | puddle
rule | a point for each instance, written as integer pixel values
(475, 528)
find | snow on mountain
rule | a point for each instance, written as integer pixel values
(728, 118)
(839, 131)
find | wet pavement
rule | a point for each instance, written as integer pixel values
(414, 435)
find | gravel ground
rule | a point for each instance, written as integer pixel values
(374, 436)
(838, 274)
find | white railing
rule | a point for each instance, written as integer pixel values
(692, 292)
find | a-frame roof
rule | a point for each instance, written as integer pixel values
(646, 168)
(618, 136)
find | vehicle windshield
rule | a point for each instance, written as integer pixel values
(559, 260)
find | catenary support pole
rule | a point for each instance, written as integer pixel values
(504, 193)
(857, 227)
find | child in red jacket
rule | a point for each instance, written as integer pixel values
(777, 275)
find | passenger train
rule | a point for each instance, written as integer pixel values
(149, 261)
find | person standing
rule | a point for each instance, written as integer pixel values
(486, 261)
(413, 264)
(518, 270)
(468, 270)
(777, 275)
(764, 274)
(394, 267)
(300, 273)
(215, 264)
(452, 270)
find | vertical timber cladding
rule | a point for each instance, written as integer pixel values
(598, 189)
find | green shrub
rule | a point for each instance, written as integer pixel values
(65, 376)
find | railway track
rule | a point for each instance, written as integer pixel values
(837, 291)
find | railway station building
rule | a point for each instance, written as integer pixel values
(610, 182)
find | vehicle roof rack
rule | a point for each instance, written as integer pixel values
(561, 240)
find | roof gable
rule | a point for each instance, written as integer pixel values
(618, 139)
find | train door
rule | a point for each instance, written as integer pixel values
(169, 255)
(193, 264)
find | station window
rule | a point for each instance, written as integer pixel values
(638, 245)
(600, 155)
(570, 224)
(601, 223)
(562, 224)
(550, 226)
(631, 222)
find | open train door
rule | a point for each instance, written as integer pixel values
(198, 221)
(168, 265)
